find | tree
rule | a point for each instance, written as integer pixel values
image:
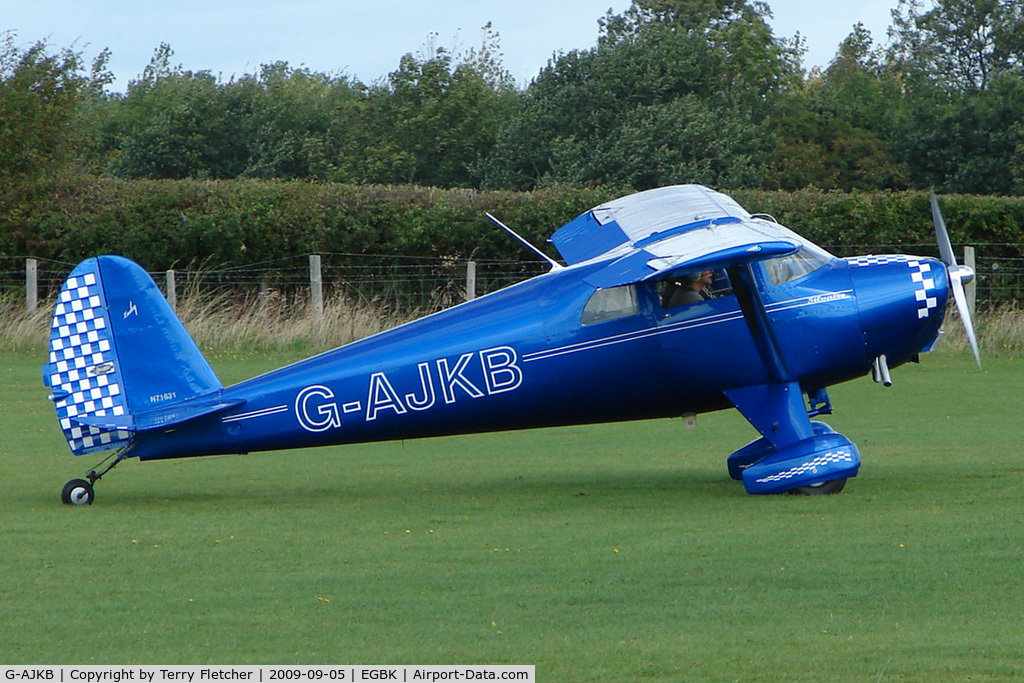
(431, 123)
(968, 144)
(837, 131)
(292, 114)
(715, 60)
(682, 140)
(962, 66)
(958, 45)
(40, 89)
(180, 124)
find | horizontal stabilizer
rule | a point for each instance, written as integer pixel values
(163, 417)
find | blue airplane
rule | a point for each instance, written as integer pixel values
(671, 302)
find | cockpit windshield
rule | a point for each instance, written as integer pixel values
(796, 265)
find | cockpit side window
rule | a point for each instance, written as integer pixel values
(796, 265)
(610, 304)
(694, 287)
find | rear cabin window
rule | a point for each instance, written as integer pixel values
(610, 304)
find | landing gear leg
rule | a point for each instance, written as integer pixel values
(80, 492)
(793, 453)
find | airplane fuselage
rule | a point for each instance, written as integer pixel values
(529, 356)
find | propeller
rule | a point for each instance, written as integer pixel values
(958, 276)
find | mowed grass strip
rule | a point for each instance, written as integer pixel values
(606, 552)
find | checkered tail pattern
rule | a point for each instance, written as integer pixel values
(83, 370)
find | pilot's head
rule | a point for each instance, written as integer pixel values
(698, 279)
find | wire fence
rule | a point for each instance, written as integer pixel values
(402, 283)
(406, 283)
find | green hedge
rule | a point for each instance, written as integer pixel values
(892, 219)
(163, 224)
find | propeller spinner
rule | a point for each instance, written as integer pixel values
(958, 276)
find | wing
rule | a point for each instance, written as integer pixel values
(680, 228)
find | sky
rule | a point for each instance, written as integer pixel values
(365, 39)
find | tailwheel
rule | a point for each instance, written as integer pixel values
(77, 492)
(822, 488)
(80, 491)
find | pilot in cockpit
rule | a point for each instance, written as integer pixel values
(691, 288)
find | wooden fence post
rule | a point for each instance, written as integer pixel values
(31, 285)
(316, 287)
(971, 289)
(172, 292)
(470, 280)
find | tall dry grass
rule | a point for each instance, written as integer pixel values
(20, 330)
(220, 323)
(998, 331)
(271, 322)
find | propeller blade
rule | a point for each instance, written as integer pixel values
(941, 234)
(958, 276)
(956, 279)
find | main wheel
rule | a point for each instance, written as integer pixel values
(77, 492)
(820, 489)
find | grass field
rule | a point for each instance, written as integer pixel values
(604, 553)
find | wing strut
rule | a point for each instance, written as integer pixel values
(745, 288)
(555, 265)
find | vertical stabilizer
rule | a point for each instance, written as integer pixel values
(117, 350)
